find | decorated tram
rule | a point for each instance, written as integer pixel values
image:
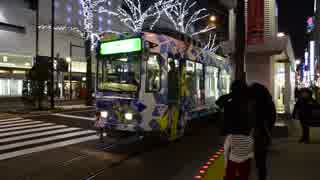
(137, 74)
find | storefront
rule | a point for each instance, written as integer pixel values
(13, 70)
(279, 86)
(76, 80)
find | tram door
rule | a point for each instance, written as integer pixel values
(174, 99)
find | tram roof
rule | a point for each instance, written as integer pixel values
(176, 34)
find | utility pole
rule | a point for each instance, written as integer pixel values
(240, 40)
(52, 54)
(89, 70)
(37, 29)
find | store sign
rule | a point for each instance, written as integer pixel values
(122, 46)
(255, 33)
(16, 61)
(310, 24)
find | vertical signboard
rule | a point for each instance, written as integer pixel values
(255, 20)
(312, 60)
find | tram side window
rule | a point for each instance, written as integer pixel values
(153, 80)
(195, 82)
(211, 81)
(191, 81)
(200, 83)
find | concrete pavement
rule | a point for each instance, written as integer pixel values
(288, 159)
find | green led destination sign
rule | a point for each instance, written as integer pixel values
(122, 46)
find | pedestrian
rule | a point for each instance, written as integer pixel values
(238, 154)
(236, 108)
(263, 120)
(296, 93)
(100, 126)
(302, 112)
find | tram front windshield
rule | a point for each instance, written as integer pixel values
(119, 73)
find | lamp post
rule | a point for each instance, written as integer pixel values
(52, 53)
(240, 40)
(69, 61)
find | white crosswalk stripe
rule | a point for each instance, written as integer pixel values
(24, 127)
(20, 136)
(15, 138)
(15, 121)
(19, 124)
(31, 130)
(11, 119)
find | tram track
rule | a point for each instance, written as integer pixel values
(107, 148)
(130, 156)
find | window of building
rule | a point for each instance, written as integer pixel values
(153, 80)
(225, 80)
(10, 87)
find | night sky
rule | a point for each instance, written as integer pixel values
(293, 16)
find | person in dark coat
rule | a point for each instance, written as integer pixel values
(264, 118)
(302, 112)
(236, 108)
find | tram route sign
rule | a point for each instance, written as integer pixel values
(121, 46)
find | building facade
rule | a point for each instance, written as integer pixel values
(18, 39)
(270, 58)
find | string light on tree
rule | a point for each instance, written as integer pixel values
(88, 7)
(182, 17)
(61, 28)
(211, 45)
(134, 17)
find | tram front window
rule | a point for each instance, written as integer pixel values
(120, 74)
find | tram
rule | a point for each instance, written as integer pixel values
(157, 82)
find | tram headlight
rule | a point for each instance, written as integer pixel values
(104, 114)
(128, 116)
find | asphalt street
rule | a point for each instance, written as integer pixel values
(65, 146)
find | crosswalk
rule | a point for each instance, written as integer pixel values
(19, 136)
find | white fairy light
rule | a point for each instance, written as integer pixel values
(89, 7)
(182, 20)
(211, 45)
(134, 18)
(61, 28)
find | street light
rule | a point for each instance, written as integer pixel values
(213, 18)
(281, 34)
(298, 62)
(69, 61)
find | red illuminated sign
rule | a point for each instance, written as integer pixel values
(255, 33)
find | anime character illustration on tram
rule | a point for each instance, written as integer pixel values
(154, 83)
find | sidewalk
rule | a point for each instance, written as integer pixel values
(294, 161)
(15, 107)
(288, 158)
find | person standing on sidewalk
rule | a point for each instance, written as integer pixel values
(263, 120)
(238, 155)
(302, 112)
(238, 142)
(235, 106)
